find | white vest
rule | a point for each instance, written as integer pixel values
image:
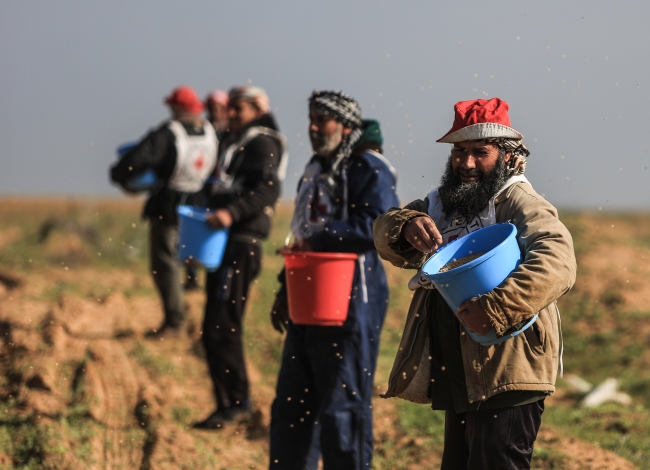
(225, 179)
(196, 156)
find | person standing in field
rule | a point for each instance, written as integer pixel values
(182, 152)
(250, 168)
(323, 397)
(493, 395)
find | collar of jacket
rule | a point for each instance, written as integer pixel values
(265, 120)
(505, 194)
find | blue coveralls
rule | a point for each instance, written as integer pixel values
(323, 398)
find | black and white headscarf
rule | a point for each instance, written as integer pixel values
(337, 104)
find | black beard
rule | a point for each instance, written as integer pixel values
(473, 197)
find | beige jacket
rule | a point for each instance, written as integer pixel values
(528, 361)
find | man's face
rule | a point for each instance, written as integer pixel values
(242, 113)
(472, 160)
(325, 134)
(475, 172)
(217, 112)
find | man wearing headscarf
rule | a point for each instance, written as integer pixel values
(323, 397)
(182, 152)
(250, 168)
(491, 363)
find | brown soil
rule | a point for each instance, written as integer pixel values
(142, 396)
(581, 455)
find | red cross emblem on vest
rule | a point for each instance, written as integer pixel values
(199, 162)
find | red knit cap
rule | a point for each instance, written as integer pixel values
(480, 119)
(185, 98)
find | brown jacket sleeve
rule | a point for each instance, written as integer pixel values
(387, 230)
(549, 266)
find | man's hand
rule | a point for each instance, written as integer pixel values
(473, 317)
(220, 218)
(422, 234)
(280, 313)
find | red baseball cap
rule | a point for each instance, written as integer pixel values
(185, 98)
(480, 119)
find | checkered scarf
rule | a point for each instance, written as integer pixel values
(337, 104)
(519, 151)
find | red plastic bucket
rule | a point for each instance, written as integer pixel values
(319, 286)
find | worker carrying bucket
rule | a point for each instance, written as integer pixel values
(171, 163)
(248, 178)
(482, 336)
(333, 295)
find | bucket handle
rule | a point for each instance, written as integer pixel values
(288, 238)
(203, 217)
(183, 202)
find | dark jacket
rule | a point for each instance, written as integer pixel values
(158, 152)
(256, 187)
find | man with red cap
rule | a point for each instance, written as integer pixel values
(182, 152)
(492, 391)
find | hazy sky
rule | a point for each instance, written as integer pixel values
(79, 78)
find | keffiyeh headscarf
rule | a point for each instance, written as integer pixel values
(517, 164)
(337, 104)
(251, 94)
(347, 111)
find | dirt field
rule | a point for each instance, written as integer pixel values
(81, 387)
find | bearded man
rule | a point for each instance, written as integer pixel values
(323, 398)
(493, 395)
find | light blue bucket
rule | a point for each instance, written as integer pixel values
(197, 240)
(501, 257)
(143, 181)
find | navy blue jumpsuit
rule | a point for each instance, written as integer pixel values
(323, 401)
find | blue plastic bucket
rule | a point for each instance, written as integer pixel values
(501, 256)
(143, 181)
(197, 240)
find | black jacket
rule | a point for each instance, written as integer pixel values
(255, 168)
(158, 152)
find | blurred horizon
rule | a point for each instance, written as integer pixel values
(80, 79)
